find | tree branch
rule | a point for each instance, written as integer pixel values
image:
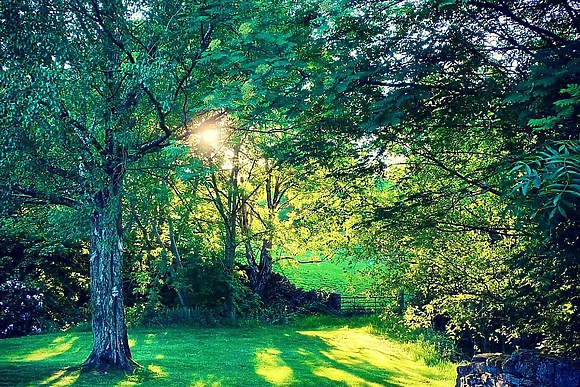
(202, 47)
(484, 187)
(30, 193)
(504, 10)
(59, 171)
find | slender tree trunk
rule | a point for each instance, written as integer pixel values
(251, 260)
(253, 270)
(231, 237)
(110, 341)
(262, 271)
(259, 273)
(176, 265)
(401, 300)
(176, 262)
(229, 259)
(228, 212)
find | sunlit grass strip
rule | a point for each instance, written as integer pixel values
(271, 367)
(53, 350)
(357, 349)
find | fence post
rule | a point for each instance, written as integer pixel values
(402, 300)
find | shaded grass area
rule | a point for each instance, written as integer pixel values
(291, 355)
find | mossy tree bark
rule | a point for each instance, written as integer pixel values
(110, 340)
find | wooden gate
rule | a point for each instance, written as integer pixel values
(365, 304)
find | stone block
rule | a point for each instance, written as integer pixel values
(483, 357)
(474, 381)
(509, 366)
(527, 369)
(489, 380)
(522, 364)
(476, 367)
(566, 375)
(511, 380)
(521, 369)
(463, 370)
(546, 371)
(493, 364)
(500, 381)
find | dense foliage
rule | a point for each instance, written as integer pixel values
(469, 110)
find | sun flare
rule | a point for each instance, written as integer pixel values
(210, 136)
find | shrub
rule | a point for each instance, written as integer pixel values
(283, 297)
(199, 316)
(22, 309)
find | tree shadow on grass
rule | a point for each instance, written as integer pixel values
(363, 354)
(219, 357)
(55, 360)
(42, 360)
(39, 374)
(316, 362)
(349, 357)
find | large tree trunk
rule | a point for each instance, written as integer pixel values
(110, 341)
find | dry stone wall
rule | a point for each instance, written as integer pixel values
(521, 369)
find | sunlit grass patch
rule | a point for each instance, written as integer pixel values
(126, 383)
(271, 367)
(356, 348)
(157, 371)
(150, 337)
(53, 350)
(58, 346)
(343, 377)
(209, 382)
(65, 380)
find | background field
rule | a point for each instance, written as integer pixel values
(340, 277)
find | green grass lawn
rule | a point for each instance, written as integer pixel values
(288, 355)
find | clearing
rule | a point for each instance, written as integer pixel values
(285, 355)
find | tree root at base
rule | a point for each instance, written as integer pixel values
(103, 365)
